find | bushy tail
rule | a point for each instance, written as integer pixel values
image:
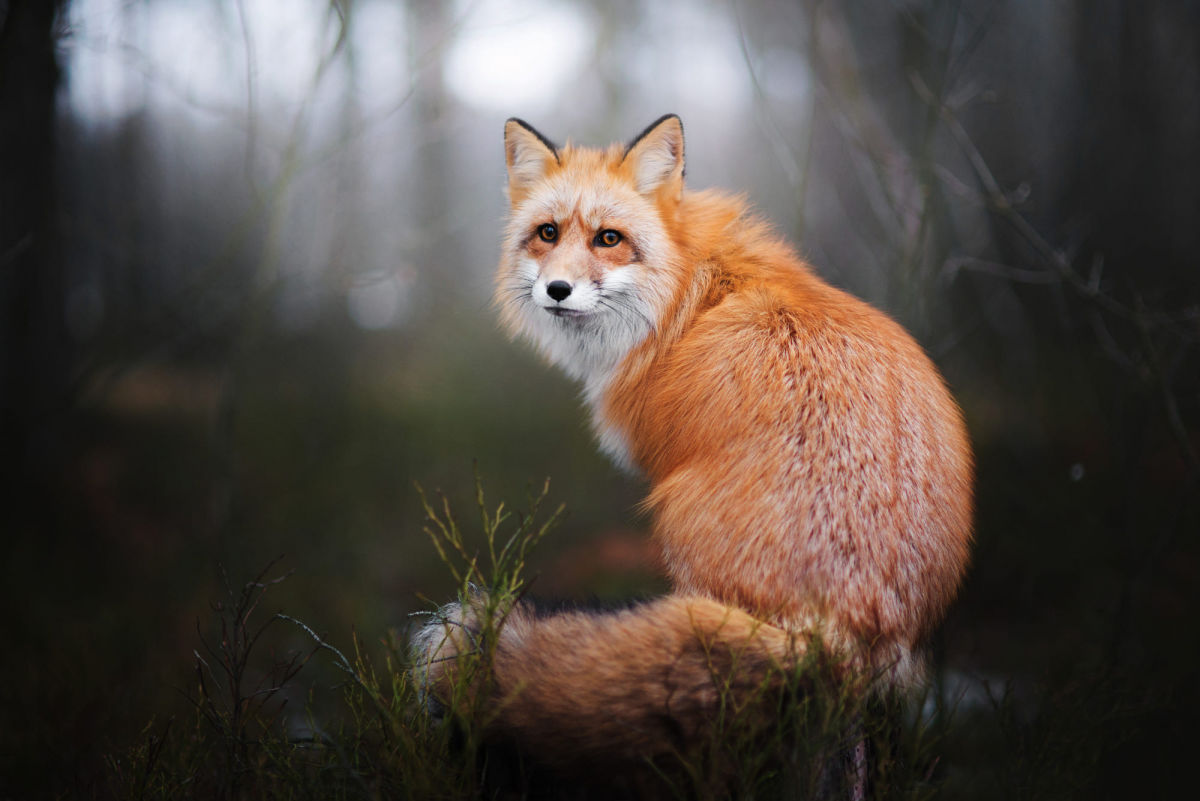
(607, 687)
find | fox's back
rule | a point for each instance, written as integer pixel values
(805, 456)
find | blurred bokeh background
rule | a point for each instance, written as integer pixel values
(245, 260)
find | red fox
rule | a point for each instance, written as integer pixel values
(810, 474)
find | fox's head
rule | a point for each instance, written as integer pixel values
(586, 268)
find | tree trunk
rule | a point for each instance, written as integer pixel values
(33, 344)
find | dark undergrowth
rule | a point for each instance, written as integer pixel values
(274, 709)
(251, 730)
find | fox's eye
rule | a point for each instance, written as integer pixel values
(608, 238)
(548, 232)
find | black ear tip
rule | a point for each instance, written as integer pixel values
(652, 126)
(553, 148)
(665, 118)
(520, 123)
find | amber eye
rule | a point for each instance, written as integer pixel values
(548, 232)
(608, 238)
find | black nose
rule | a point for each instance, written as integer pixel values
(559, 290)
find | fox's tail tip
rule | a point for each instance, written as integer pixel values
(452, 629)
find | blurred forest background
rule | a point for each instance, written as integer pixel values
(245, 259)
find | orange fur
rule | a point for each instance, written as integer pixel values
(583, 689)
(807, 464)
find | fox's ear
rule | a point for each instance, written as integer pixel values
(657, 155)
(527, 154)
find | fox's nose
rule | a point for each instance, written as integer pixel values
(559, 290)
